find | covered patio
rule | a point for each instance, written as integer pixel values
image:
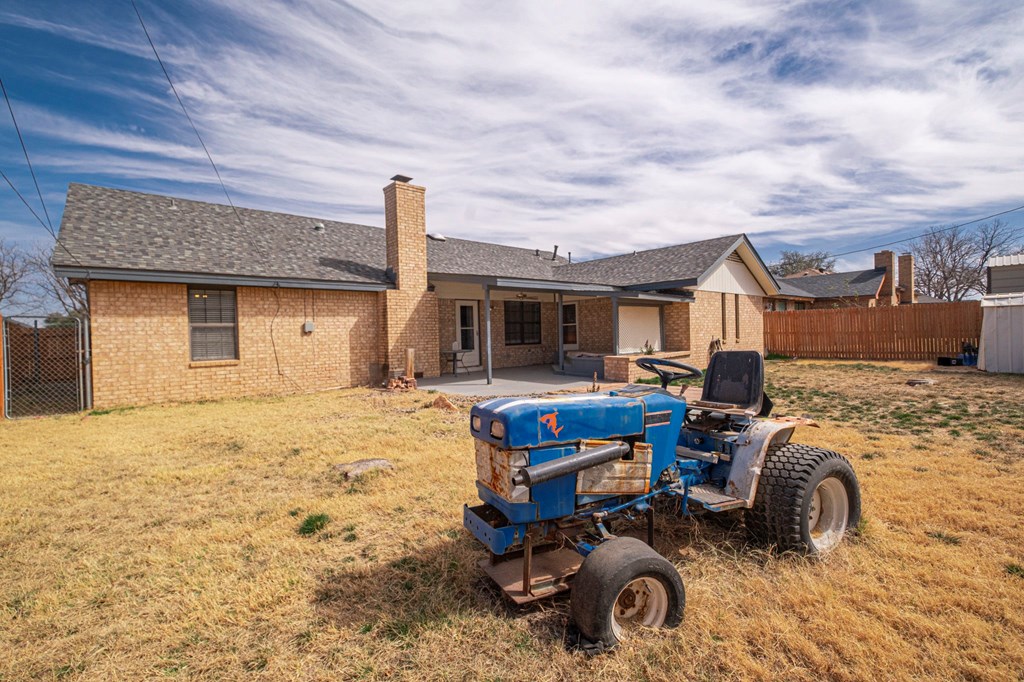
(509, 381)
(561, 333)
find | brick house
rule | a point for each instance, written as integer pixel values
(883, 285)
(190, 301)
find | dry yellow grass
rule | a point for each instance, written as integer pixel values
(162, 542)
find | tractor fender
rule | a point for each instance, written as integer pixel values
(748, 454)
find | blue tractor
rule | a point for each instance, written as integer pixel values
(556, 474)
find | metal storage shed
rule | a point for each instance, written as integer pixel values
(1002, 333)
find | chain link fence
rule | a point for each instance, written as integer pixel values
(43, 366)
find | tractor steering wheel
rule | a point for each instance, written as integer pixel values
(656, 365)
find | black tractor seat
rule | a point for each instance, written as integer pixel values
(734, 384)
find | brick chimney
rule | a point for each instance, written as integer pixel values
(406, 233)
(410, 313)
(906, 278)
(887, 292)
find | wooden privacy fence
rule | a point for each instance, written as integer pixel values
(908, 332)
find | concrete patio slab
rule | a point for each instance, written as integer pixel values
(511, 381)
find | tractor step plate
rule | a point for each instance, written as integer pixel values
(715, 499)
(550, 572)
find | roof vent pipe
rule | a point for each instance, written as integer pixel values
(554, 254)
(570, 256)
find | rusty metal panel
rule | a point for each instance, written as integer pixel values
(749, 451)
(551, 572)
(620, 476)
(495, 467)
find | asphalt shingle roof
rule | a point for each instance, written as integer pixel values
(118, 229)
(667, 264)
(836, 285)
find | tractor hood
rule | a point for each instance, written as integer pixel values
(532, 422)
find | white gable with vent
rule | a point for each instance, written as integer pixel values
(732, 276)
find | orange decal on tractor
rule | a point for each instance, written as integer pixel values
(551, 420)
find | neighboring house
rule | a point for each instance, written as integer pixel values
(189, 300)
(879, 286)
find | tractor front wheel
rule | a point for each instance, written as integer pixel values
(622, 585)
(807, 498)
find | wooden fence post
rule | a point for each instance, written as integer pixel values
(410, 362)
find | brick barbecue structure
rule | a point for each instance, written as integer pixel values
(190, 301)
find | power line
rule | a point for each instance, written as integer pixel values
(48, 225)
(35, 215)
(935, 231)
(194, 129)
(27, 205)
(27, 160)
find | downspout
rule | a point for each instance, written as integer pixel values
(487, 331)
(561, 329)
(615, 324)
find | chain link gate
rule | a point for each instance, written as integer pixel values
(45, 366)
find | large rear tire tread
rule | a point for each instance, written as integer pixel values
(789, 476)
(603, 575)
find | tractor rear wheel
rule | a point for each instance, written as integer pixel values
(807, 498)
(622, 585)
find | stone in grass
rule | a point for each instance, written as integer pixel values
(442, 403)
(351, 470)
(920, 382)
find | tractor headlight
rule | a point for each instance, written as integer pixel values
(497, 430)
(474, 423)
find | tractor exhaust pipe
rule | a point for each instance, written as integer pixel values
(545, 471)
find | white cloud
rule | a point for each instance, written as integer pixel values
(600, 127)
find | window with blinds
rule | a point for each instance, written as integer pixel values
(213, 324)
(522, 323)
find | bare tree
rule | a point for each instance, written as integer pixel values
(70, 296)
(14, 271)
(792, 262)
(949, 263)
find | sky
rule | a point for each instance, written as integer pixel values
(600, 127)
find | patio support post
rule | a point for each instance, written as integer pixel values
(615, 325)
(661, 326)
(487, 331)
(561, 329)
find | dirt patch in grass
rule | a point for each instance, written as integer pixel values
(162, 542)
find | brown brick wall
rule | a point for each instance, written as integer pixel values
(594, 319)
(140, 343)
(410, 321)
(677, 326)
(446, 330)
(706, 324)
